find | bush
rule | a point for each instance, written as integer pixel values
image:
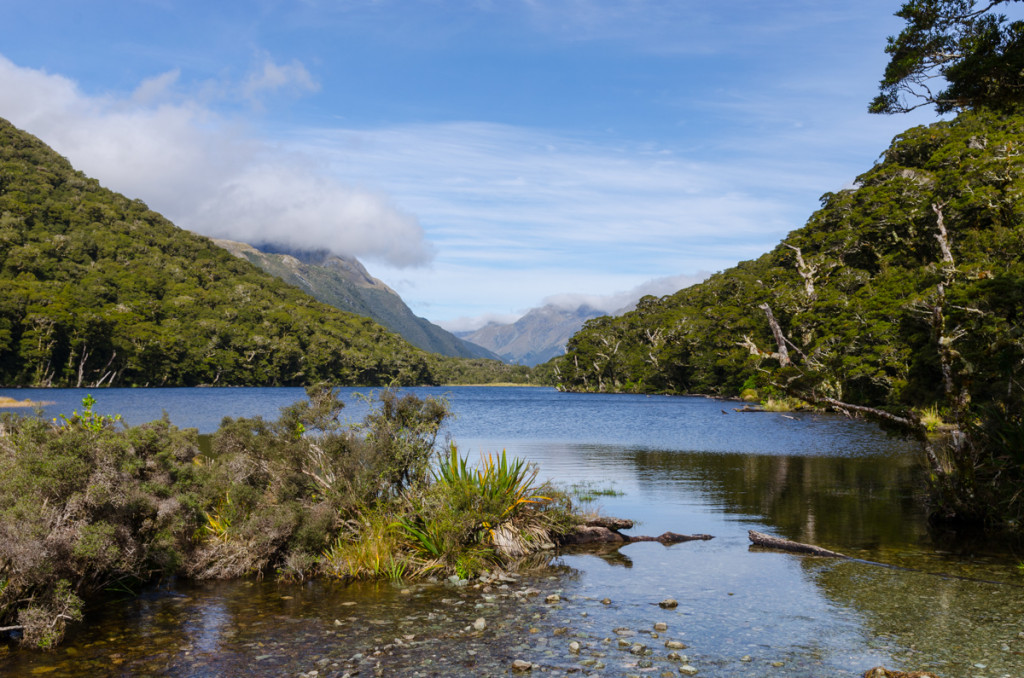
(84, 506)
(87, 504)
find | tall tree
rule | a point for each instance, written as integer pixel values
(953, 54)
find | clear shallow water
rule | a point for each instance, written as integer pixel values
(682, 465)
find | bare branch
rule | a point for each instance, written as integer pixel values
(942, 236)
(780, 338)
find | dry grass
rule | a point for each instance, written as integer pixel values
(11, 402)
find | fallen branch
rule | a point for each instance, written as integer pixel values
(603, 530)
(768, 541)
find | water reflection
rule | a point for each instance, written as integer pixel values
(681, 466)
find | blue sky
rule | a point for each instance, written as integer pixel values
(482, 157)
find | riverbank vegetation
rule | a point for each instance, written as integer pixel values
(88, 505)
(98, 290)
(901, 299)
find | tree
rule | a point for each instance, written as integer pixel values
(953, 54)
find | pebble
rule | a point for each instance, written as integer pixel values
(574, 647)
(606, 601)
(637, 648)
(746, 658)
(553, 598)
(675, 645)
(661, 626)
(480, 624)
(687, 670)
(676, 657)
(520, 665)
(669, 603)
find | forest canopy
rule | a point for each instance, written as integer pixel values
(99, 290)
(954, 55)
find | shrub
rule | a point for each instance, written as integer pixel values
(87, 505)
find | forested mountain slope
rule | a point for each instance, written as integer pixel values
(906, 290)
(96, 289)
(344, 283)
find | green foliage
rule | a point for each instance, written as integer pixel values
(589, 491)
(977, 52)
(498, 488)
(98, 290)
(862, 332)
(88, 420)
(900, 295)
(85, 507)
(345, 284)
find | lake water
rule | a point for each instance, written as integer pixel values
(689, 465)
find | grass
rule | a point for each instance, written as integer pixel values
(589, 491)
(784, 404)
(931, 419)
(301, 496)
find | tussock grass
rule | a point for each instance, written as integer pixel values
(87, 504)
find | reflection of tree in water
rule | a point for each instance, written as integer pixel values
(840, 503)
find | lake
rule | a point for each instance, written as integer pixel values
(685, 464)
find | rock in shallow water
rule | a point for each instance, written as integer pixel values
(882, 672)
(668, 603)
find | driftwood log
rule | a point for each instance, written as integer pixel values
(604, 530)
(768, 541)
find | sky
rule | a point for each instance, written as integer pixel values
(481, 157)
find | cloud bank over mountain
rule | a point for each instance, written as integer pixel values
(207, 171)
(608, 303)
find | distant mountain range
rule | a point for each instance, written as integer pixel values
(537, 337)
(343, 282)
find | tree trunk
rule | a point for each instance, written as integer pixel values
(768, 541)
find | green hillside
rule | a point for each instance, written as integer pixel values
(344, 283)
(905, 291)
(902, 298)
(97, 289)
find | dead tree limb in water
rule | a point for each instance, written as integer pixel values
(768, 541)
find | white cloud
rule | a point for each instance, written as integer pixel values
(273, 77)
(206, 172)
(156, 88)
(608, 303)
(619, 301)
(468, 324)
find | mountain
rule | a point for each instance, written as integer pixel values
(344, 283)
(905, 291)
(535, 338)
(98, 290)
